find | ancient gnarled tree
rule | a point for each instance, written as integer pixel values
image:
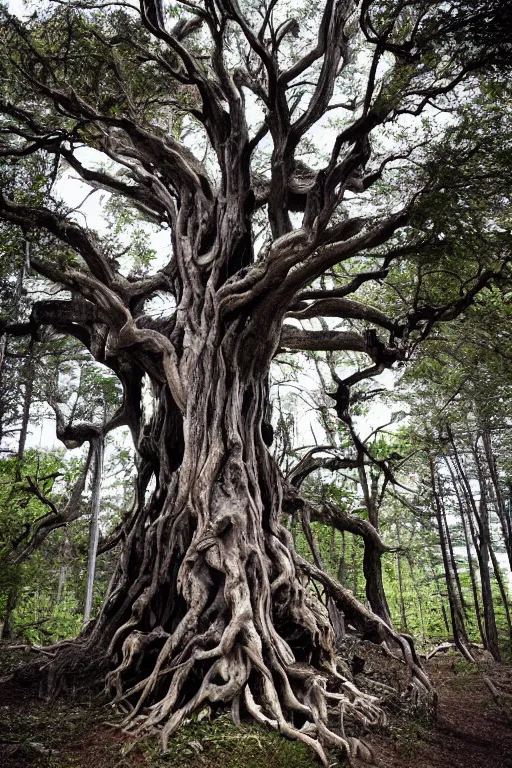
(203, 117)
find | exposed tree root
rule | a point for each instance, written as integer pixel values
(240, 660)
(234, 626)
(226, 650)
(371, 626)
(289, 697)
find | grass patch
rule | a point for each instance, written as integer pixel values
(218, 742)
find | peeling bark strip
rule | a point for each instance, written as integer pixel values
(209, 601)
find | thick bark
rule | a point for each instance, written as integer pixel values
(207, 604)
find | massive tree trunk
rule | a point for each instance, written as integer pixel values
(207, 604)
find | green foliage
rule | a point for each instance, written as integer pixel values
(213, 742)
(18, 505)
(46, 591)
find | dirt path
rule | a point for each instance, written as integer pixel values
(471, 731)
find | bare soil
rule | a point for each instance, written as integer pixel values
(470, 731)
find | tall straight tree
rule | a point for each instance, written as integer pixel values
(204, 121)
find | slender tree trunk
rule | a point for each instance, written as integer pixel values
(375, 593)
(355, 569)
(418, 597)
(485, 547)
(471, 566)
(29, 368)
(29, 376)
(335, 616)
(3, 349)
(474, 583)
(488, 600)
(12, 595)
(458, 625)
(342, 565)
(332, 548)
(506, 524)
(94, 526)
(482, 550)
(435, 580)
(501, 586)
(63, 572)
(453, 561)
(65, 557)
(475, 536)
(10, 607)
(3, 346)
(403, 615)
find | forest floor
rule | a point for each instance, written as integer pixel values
(471, 731)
